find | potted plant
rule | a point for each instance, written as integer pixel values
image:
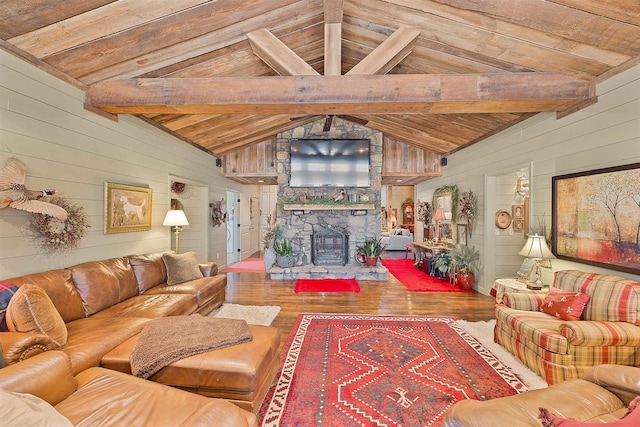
(442, 263)
(467, 258)
(370, 250)
(269, 238)
(284, 253)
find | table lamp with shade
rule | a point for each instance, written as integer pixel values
(438, 217)
(536, 249)
(176, 218)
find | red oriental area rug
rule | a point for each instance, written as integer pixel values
(326, 285)
(365, 370)
(416, 280)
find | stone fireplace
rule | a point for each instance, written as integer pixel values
(339, 227)
(329, 247)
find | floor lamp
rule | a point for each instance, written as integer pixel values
(536, 249)
(176, 218)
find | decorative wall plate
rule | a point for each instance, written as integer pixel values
(503, 219)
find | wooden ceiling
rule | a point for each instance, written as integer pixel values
(438, 75)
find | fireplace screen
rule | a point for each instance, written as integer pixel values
(329, 247)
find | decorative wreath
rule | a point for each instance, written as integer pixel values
(60, 235)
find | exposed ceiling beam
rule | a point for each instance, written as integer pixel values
(278, 55)
(389, 53)
(396, 93)
(333, 37)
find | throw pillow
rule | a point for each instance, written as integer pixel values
(7, 290)
(181, 267)
(564, 305)
(631, 419)
(31, 310)
(26, 410)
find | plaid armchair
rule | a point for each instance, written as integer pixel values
(607, 332)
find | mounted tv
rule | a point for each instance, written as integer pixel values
(329, 163)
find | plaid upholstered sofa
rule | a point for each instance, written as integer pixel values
(606, 332)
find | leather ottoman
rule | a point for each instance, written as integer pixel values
(241, 373)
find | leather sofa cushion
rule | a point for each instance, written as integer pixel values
(137, 402)
(31, 310)
(204, 289)
(60, 288)
(149, 269)
(102, 284)
(181, 267)
(93, 337)
(152, 306)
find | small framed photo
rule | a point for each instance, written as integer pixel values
(126, 208)
(518, 225)
(517, 212)
(461, 233)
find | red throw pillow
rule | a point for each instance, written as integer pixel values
(564, 305)
(631, 419)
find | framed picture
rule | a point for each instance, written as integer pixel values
(461, 233)
(503, 219)
(518, 225)
(126, 208)
(517, 211)
(596, 217)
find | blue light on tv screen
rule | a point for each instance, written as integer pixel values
(330, 163)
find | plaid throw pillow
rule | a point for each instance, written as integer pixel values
(6, 292)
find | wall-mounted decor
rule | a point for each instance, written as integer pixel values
(517, 211)
(54, 235)
(126, 208)
(461, 233)
(469, 208)
(518, 225)
(218, 213)
(503, 219)
(596, 217)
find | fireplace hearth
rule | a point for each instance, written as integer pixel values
(329, 247)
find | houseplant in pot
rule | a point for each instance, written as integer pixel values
(369, 251)
(467, 258)
(272, 233)
(441, 263)
(284, 253)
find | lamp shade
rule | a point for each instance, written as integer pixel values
(175, 218)
(536, 248)
(439, 215)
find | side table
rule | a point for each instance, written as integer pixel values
(500, 286)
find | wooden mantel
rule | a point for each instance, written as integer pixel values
(328, 207)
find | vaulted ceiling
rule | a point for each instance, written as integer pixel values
(223, 74)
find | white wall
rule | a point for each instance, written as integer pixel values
(602, 135)
(44, 124)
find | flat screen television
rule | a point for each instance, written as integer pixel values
(330, 163)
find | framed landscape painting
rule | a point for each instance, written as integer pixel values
(127, 208)
(596, 217)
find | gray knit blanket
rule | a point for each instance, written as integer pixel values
(167, 339)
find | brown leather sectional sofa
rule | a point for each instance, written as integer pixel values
(103, 304)
(102, 397)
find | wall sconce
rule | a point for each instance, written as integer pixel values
(176, 218)
(522, 188)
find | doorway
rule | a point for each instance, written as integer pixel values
(233, 224)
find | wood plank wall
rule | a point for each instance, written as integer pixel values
(43, 122)
(601, 135)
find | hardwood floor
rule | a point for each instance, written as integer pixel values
(388, 297)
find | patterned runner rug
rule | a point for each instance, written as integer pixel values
(346, 370)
